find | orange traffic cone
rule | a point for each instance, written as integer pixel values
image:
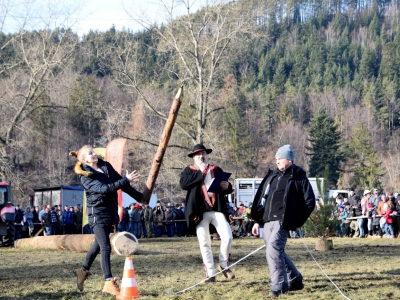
(128, 285)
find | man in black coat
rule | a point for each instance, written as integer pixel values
(203, 208)
(283, 202)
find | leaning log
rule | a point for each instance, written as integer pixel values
(155, 168)
(122, 243)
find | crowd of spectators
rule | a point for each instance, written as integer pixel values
(374, 214)
(54, 220)
(240, 219)
(144, 221)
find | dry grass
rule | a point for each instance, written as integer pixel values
(361, 268)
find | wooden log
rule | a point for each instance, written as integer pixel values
(122, 243)
(155, 168)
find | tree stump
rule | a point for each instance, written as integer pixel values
(324, 244)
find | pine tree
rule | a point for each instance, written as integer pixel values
(325, 147)
(364, 160)
(85, 109)
(237, 135)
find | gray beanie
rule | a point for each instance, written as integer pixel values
(285, 151)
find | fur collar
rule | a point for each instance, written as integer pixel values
(80, 171)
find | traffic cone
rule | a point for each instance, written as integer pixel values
(128, 285)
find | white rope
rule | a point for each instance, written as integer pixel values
(324, 271)
(176, 293)
(189, 288)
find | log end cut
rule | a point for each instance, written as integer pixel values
(124, 243)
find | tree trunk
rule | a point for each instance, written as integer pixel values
(122, 243)
(155, 168)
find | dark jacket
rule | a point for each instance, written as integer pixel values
(356, 209)
(68, 217)
(148, 214)
(19, 216)
(101, 192)
(158, 217)
(195, 206)
(298, 199)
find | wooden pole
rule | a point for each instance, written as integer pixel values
(155, 168)
(122, 243)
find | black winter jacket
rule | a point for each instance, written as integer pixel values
(101, 192)
(298, 199)
(191, 181)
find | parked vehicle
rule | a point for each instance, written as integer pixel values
(7, 212)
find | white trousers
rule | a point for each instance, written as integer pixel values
(203, 235)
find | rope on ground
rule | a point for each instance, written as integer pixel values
(180, 292)
(324, 271)
(258, 249)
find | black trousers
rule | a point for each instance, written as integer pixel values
(100, 245)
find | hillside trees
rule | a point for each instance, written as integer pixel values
(197, 50)
(38, 59)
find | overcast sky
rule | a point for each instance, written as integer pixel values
(84, 15)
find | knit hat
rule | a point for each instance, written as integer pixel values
(285, 151)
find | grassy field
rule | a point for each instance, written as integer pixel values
(361, 268)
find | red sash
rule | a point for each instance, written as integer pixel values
(210, 168)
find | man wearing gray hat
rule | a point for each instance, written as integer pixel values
(284, 201)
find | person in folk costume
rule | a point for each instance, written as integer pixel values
(203, 208)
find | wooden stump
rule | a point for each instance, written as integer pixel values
(324, 244)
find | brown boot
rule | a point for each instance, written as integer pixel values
(81, 276)
(111, 287)
(227, 273)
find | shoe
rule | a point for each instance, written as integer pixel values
(277, 293)
(81, 276)
(111, 287)
(208, 280)
(227, 273)
(296, 285)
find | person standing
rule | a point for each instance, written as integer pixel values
(68, 220)
(283, 202)
(203, 208)
(352, 196)
(158, 219)
(54, 221)
(101, 183)
(19, 216)
(45, 221)
(78, 217)
(148, 219)
(27, 220)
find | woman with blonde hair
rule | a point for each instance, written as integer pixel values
(101, 183)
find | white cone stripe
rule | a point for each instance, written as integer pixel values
(128, 282)
(128, 264)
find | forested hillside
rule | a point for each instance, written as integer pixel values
(320, 75)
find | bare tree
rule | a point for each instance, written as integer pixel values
(198, 43)
(31, 62)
